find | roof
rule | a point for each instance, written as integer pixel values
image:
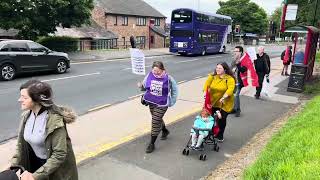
(129, 7)
(94, 31)
(207, 13)
(9, 33)
(159, 31)
(302, 29)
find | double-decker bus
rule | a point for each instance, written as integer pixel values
(195, 32)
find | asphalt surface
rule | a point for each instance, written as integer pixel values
(90, 85)
(167, 162)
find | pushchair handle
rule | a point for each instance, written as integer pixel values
(200, 129)
(17, 168)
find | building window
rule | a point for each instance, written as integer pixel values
(157, 22)
(116, 20)
(141, 40)
(124, 20)
(141, 21)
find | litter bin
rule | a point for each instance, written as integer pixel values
(297, 78)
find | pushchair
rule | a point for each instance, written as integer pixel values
(11, 173)
(210, 140)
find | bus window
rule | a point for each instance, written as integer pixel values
(182, 16)
(181, 33)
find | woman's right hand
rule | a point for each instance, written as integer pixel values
(139, 84)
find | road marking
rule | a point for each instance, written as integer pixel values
(186, 61)
(198, 77)
(104, 147)
(99, 107)
(182, 81)
(100, 61)
(213, 57)
(132, 97)
(70, 77)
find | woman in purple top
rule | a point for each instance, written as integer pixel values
(160, 93)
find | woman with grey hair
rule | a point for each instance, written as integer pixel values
(44, 147)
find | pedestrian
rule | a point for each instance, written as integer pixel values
(238, 69)
(160, 93)
(221, 85)
(262, 67)
(286, 57)
(299, 56)
(202, 121)
(43, 146)
(132, 42)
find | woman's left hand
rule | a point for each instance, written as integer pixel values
(221, 100)
(26, 176)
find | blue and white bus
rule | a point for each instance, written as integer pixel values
(194, 32)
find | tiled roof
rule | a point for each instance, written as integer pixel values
(129, 7)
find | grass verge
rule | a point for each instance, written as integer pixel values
(293, 153)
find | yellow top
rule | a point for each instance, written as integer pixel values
(221, 87)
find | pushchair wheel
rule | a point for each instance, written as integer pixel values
(216, 148)
(202, 157)
(184, 152)
(187, 152)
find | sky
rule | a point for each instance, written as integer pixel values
(166, 6)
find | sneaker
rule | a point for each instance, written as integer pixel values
(237, 114)
(150, 148)
(257, 96)
(164, 134)
(220, 140)
(287, 74)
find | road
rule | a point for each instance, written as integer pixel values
(89, 85)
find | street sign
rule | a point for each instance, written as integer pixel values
(292, 10)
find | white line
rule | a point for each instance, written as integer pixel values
(101, 61)
(213, 57)
(181, 82)
(99, 107)
(97, 73)
(131, 68)
(132, 97)
(198, 77)
(187, 61)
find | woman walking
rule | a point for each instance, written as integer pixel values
(161, 93)
(44, 147)
(221, 86)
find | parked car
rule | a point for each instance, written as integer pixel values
(21, 56)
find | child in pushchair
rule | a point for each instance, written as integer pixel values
(204, 131)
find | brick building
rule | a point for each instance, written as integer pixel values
(128, 18)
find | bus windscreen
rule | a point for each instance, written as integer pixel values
(182, 16)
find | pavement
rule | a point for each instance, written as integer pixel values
(125, 127)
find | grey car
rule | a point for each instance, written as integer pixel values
(22, 56)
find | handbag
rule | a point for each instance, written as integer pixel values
(144, 102)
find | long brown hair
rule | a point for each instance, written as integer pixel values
(226, 68)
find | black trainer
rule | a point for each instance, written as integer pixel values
(150, 148)
(164, 134)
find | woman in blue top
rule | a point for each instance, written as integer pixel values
(161, 93)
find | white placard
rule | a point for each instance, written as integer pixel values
(137, 61)
(291, 12)
(252, 53)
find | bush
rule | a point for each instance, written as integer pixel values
(62, 44)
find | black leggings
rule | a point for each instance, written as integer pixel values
(221, 122)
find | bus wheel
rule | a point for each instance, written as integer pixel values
(203, 52)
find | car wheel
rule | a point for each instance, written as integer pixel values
(61, 67)
(8, 72)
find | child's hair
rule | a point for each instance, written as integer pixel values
(205, 110)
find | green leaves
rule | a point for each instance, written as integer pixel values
(35, 18)
(250, 17)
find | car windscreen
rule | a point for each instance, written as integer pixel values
(182, 16)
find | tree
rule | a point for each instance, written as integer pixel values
(250, 17)
(35, 18)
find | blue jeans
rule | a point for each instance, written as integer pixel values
(236, 106)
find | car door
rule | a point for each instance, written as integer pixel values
(41, 56)
(21, 56)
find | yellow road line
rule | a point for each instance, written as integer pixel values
(103, 147)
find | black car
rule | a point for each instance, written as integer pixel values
(21, 56)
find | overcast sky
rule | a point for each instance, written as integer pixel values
(166, 6)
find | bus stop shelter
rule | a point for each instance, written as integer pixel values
(301, 72)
